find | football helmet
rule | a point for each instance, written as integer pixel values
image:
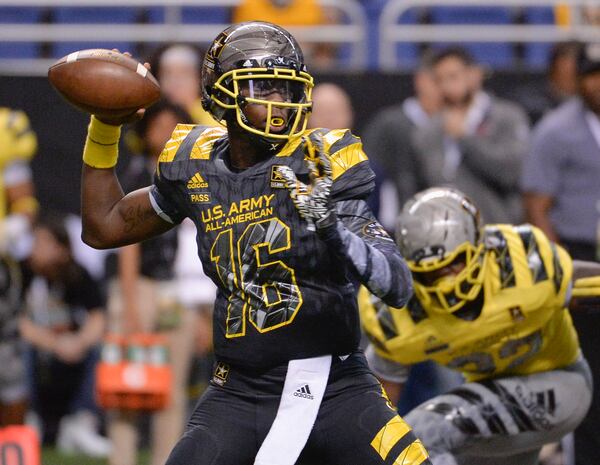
(247, 63)
(439, 235)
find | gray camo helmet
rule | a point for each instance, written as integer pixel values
(435, 224)
(261, 50)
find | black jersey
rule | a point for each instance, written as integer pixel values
(282, 294)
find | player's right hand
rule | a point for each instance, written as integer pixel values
(127, 119)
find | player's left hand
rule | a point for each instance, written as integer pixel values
(313, 201)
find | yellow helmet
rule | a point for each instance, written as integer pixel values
(259, 58)
(439, 235)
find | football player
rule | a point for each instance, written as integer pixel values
(284, 232)
(491, 303)
(18, 207)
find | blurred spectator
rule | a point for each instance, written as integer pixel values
(560, 85)
(332, 108)
(13, 382)
(63, 324)
(177, 68)
(18, 205)
(560, 178)
(17, 208)
(388, 138)
(292, 13)
(144, 299)
(477, 142)
(562, 197)
(591, 14)
(580, 13)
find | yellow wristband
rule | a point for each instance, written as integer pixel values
(102, 144)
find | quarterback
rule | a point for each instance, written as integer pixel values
(285, 233)
(491, 303)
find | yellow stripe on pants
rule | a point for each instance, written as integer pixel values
(413, 454)
(389, 435)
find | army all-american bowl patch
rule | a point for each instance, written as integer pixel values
(374, 229)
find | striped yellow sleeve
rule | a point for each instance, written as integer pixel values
(177, 137)
(345, 150)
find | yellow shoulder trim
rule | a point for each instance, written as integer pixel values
(333, 136)
(177, 137)
(346, 158)
(341, 161)
(204, 145)
(329, 139)
(293, 144)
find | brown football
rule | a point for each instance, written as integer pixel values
(104, 82)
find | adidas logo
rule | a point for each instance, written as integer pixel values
(304, 391)
(197, 182)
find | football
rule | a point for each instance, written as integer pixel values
(104, 82)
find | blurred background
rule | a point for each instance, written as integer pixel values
(369, 47)
(487, 83)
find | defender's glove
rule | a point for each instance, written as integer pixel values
(313, 201)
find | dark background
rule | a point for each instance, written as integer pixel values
(61, 129)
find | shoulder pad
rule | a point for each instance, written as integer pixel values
(525, 251)
(188, 141)
(352, 175)
(178, 135)
(200, 147)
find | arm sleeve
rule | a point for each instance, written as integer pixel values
(543, 165)
(162, 197)
(386, 369)
(498, 156)
(362, 243)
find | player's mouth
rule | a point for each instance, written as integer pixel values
(276, 125)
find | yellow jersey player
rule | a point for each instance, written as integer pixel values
(18, 205)
(491, 303)
(283, 230)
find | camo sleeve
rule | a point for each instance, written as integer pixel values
(162, 198)
(363, 244)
